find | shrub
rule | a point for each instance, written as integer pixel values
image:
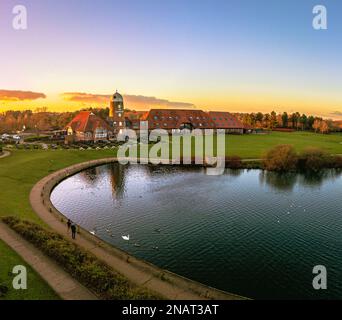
(37, 138)
(281, 158)
(3, 290)
(314, 159)
(336, 162)
(234, 162)
(81, 264)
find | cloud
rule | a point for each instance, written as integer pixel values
(85, 97)
(131, 101)
(153, 101)
(17, 95)
(336, 113)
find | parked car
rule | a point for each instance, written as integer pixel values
(5, 137)
(16, 137)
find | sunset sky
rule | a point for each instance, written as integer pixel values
(234, 55)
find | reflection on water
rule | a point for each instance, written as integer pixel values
(254, 233)
(288, 180)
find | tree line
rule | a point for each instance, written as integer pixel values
(43, 120)
(294, 121)
(40, 119)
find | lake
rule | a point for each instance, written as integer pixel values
(253, 233)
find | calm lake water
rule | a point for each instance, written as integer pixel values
(253, 233)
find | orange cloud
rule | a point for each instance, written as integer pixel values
(336, 113)
(85, 97)
(17, 95)
(131, 101)
(153, 101)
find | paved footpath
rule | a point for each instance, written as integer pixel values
(60, 281)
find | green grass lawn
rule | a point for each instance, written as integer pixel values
(20, 171)
(254, 146)
(37, 288)
(18, 174)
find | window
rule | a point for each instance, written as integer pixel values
(100, 133)
(155, 117)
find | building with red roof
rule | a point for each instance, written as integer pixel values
(87, 126)
(176, 119)
(226, 121)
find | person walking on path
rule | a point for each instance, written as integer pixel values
(73, 231)
(69, 225)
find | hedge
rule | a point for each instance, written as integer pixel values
(81, 264)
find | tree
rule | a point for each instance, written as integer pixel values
(314, 159)
(310, 122)
(273, 121)
(285, 119)
(259, 117)
(324, 127)
(267, 120)
(316, 125)
(303, 121)
(281, 158)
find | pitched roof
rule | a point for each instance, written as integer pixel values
(225, 120)
(136, 115)
(86, 121)
(175, 118)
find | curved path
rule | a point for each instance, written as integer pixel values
(5, 154)
(59, 280)
(167, 284)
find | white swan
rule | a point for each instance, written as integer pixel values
(126, 237)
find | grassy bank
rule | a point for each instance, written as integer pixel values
(20, 171)
(254, 146)
(37, 288)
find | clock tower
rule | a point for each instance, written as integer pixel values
(116, 112)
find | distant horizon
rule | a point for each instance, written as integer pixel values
(147, 109)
